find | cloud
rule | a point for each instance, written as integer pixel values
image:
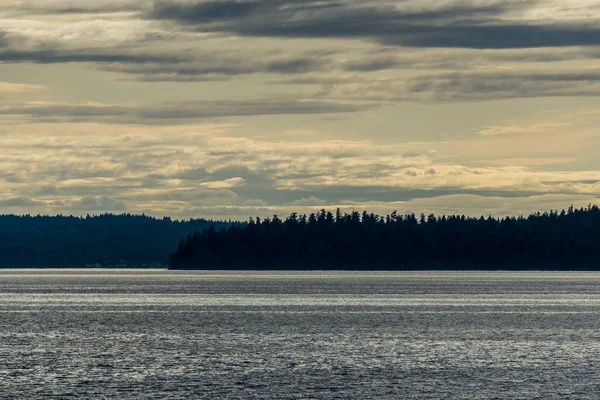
(206, 11)
(526, 161)
(122, 146)
(546, 124)
(3, 40)
(218, 65)
(190, 41)
(176, 113)
(144, 53)
(308, 201)
(243, 173)
(377, 64)
(457, 86)
(339, 194)
(534, 128)
(55, 56)
(86, 40)
(99, 204)
(50, 7)
(228, 183)
(188, 171)
(9, 87)
(18, 202)
(502, 85)
(294, 66)
(411, 24)
(464, 59)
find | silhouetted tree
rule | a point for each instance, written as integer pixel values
(362, 240)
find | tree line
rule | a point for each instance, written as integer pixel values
(562, 240)
(105, 240)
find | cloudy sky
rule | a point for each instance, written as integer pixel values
(228, 109)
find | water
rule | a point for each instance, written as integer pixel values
(180, 335)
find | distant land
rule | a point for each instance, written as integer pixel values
(325, 240)
(105, 240)
(553, 240)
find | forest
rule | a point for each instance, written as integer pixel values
(565, 240)
(105, 240)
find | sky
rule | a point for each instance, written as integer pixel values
(230, 109)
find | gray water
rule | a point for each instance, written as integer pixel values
(182, 335)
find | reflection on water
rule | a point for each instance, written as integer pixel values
(162, 334)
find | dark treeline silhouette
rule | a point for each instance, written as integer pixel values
(324, 240)
(103, 240)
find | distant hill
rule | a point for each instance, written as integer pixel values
(105, 240)
(566, 240)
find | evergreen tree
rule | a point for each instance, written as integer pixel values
(551, 240)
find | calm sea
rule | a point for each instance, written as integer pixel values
(158, 334)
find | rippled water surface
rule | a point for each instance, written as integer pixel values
(162, 334)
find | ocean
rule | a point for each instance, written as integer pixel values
(157, 334)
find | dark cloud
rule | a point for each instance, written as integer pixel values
(572, 182)
(300, 13)
(459, 25)
(18, 202)
(47, 190)
(388, 59)
(52, 56)
(19, 47)
(544, 55)
(295, 66)
(498, 85)
(220, 66)
(373, 65)
(211, 66)
(459, 86)
(498, 36)
(99, 9)
(316, 80)
(178, 112)
(206, 11)
(49, 7)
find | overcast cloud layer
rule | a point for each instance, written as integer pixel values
(229, 109)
